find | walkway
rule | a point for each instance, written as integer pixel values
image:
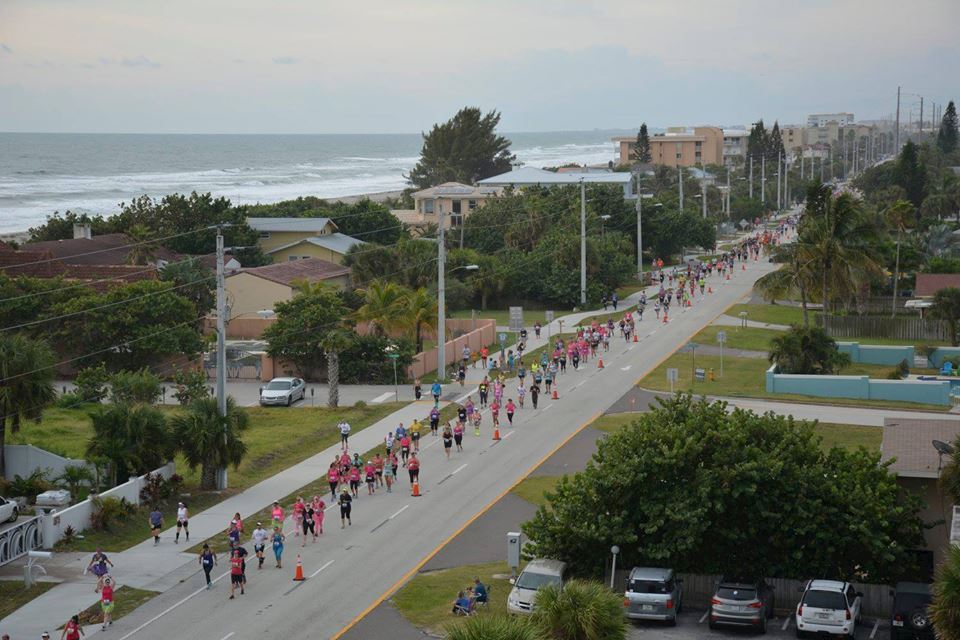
(730, 321)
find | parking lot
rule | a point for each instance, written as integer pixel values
(693, 624)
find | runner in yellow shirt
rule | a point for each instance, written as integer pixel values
(415, 434)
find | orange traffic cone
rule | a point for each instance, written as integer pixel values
(555, 395)
(416, 488)
(709, 289)
(496, 432)
(600, 363)
(298, 576)
(689, 303)
(743, 267)
(664, 317)
(728, 275)
(635, 337)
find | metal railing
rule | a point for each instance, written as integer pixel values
(18, 539)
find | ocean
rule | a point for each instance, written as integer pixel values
(92, 173)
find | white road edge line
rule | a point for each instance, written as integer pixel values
(462, 467)
(876, 625)
(546, 407)
(786, 623)
(703, 617)
(314, 573)
(402, 509)
(229, 635)
(382, 397)
(171, 608)
(505, 436)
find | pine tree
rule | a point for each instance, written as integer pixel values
(948, 134)
(641, 150)
(774, 146)
(465, 149)
(757, 141)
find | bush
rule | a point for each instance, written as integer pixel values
(31, 486)
(135, 386)
(108, 512)
(70, 400)
(190, 385)
(68, 535)
(92, 383)
(899, 372)
(366, 361)
(157, 488)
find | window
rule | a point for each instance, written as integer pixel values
(679, 155)
(471, 205)
(824, 600)
(456, 220)
(698, 144)
(428, 206)
(264, 235)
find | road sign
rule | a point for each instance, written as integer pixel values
(516, 318)
(700, 375)
(549, 316)
(502, 337)
(721, 336)
(672, 376)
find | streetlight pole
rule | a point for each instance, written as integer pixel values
(441, 303)
(703, 189)
(763, 179)
(639, 229)
(583, 243)
(751, 177)
(779, 172)
(221, 349)
(680, 175)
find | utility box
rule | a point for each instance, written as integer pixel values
(514, 543)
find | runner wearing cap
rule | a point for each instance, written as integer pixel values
(71, 630)
(260, 536)
(182, 519)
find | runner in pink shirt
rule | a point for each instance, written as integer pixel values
(511, 408)
(319, 507)
(404, 449)
(354, 481)
(333, 477)
(277, 515)
(298, 509)
(495, 412)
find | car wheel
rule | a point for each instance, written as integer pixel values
(798, 633)
(14, 515)
(712, 625)
(763, 625)
(919, 620)
(289, 400)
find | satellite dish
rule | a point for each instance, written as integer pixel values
(942, 448)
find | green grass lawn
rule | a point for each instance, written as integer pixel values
(502, 316)
(744, 377)
(748, 338)
(533, 488)
(427, 600)
(769, 313)
(126, 600)
(14, 595)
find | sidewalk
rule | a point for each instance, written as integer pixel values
(160, 567)
(730, 321)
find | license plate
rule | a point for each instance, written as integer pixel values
(646, 607)
(823, 616)
(898, 623)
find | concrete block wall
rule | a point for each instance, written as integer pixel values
(23, 459)
(859, 387)
(937, 356)
(877, 354)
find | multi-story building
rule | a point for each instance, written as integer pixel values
(821, 119)
(734, 146)
(679, 147)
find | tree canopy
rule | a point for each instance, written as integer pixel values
(465, 149)
(691, 486)
(948, 133)
(641, 152)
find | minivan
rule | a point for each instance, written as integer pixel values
(653, 594)
(538, 573)
(828, 606)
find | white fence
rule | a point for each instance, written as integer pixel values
(23, 459)
(15, 541)
(78, 516)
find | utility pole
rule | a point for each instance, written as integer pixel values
(921, 115)
(441, 302)
(779, 173)
(763, 178)
(703, 189)
(802, 153)
(583, 243)
(726, 200)
(639, 228)
(897, 149)
(751, 177)
(786, 189)
(221, 349)
(680, 177)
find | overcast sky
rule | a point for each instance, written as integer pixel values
(338, 66)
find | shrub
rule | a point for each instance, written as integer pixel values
(899, 372)
(359, 404)
(108, 512)
(190, 385)
(157, 488)
(31, 486)
(70, 400)
(68, 535)
(134, 386)
(92, 383)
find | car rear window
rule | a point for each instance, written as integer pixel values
(825, 600)
(650, 586)
(737, 593)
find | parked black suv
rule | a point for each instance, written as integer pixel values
(911, 616)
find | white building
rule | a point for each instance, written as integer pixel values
(528, 176)
(822, 119)
(734, 146)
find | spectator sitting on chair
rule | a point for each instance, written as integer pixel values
(461, 606)
(479, 591)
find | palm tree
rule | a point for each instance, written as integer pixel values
(74, 477)
(901, 216)
(494, 627)
(945, 608)
(384, 307)
(836, 234)
(209, 440)
(946, 306)
(806, 350)
(581, 610)
(134, 438)
(421, 308)
(144, 249)
(26, 383)
(797, 275)
(940, 241)
(944, 198)
(333, 343)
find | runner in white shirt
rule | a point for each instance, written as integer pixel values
(182, 519)
(344, 434)
(260, 536)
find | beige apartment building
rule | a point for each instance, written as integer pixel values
(679, 147)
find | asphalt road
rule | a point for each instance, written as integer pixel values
(692, 625)
(393, 535)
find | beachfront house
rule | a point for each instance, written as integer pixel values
(259, 289)
(531, 176)
(289, 239)
(448, 204)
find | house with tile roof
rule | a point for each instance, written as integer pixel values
(288, 239)
(251, 291)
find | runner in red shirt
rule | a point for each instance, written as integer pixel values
(413, 466)
(236, 572)
(72, 630)
(510, 410)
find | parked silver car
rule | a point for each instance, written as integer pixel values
(283, 391)
(538, 573)
(742, 603)
(653, 594)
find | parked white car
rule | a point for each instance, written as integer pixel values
(538, 573)
(283, 391)
(9, 511)
(829, 606)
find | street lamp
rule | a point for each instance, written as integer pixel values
(603, 226)
(614, 550)
(442, 304)
(393, 355)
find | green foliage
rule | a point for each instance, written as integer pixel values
(945, 608)
(365, 361)
(26, 383)
(92, 383)
(946, 306)
(301, 324)
(128, 326)
(110, 512)
(31, 486)
(580, 610)
(691, 486)
(60, 226)
(193, 281)
(806, 350)
(910, 174)
(666, 232)
(133, 439)
(74, 477)
(209, 440)
(947, 136)
(899, 372)
(940, 264)
(190, 385)
(641, 152)
(464, 149)
(28, 300)
(494, 627)
(135, 386)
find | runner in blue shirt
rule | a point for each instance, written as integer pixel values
(436, 390)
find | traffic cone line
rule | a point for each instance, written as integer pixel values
(298, 575)
(635, 337)
(496, 433)
(555, 395)
(600, 363)
(416, 489)
(664, 317)
(709, 289)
